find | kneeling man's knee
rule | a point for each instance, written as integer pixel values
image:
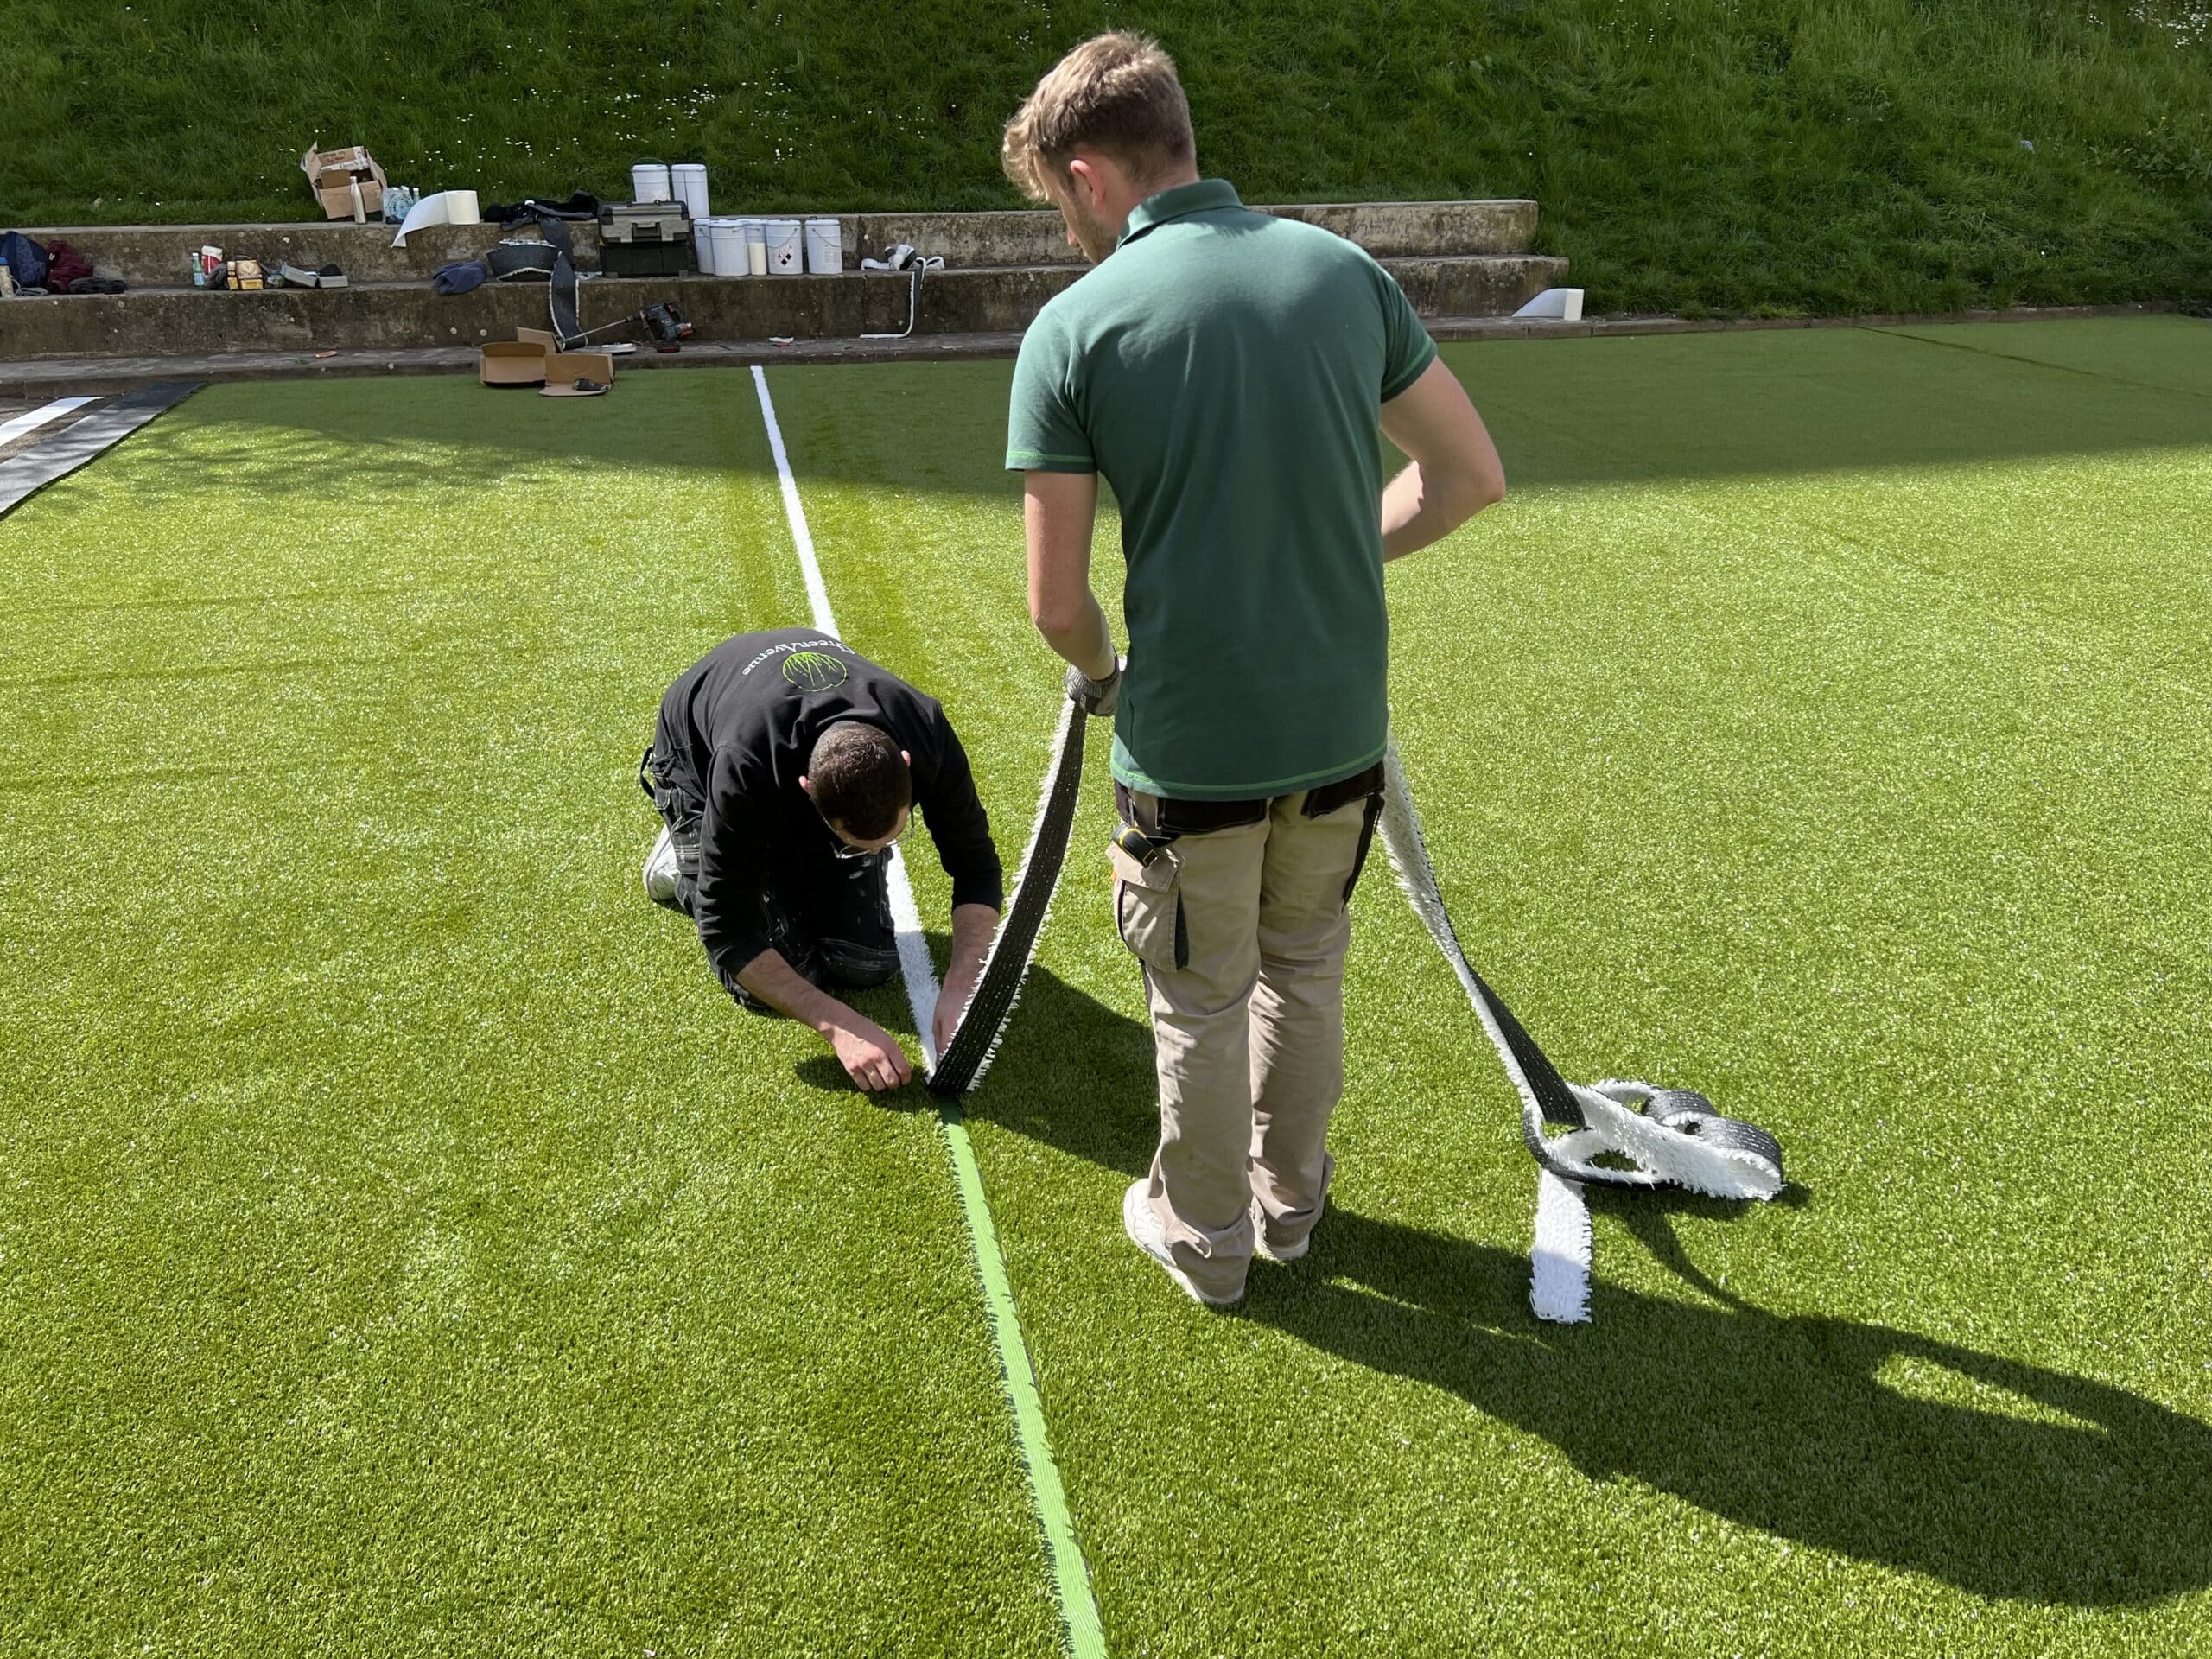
(855, 966)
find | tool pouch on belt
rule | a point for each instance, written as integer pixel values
(1148, 905)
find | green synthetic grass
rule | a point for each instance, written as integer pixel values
(1818, 725)
(404, 1246)
(1762, 156)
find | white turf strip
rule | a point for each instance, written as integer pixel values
(1559, 1259)
(29, 421)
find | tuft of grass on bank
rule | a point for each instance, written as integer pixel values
(1777, 157)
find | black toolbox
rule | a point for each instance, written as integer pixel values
(645, 258)
(644, 238)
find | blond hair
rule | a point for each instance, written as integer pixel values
(1117, 93)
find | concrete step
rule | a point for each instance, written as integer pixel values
(159, 255)
(406, 315)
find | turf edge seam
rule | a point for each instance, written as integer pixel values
(25, 423)
(23, 475)
(1079, 1624)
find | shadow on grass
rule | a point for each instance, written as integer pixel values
(2002, 1478)
(1565, 413)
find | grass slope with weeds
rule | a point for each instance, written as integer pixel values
(1766, 156)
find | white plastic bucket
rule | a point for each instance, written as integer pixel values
(825, 247)
(785, 239)
(756, 246)
(689, 179)
(725, 247)
(649, 183)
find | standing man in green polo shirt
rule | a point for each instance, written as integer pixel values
(1226, 372)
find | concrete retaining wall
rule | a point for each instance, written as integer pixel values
(158, 256)
(175, 321)
(1385, 229)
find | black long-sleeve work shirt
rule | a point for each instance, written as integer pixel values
(736, 730)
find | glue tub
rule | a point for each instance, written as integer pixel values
(825, 247)
(786, 241)
(756, 246)
(649, 183)
(723, 246)
(688, 180)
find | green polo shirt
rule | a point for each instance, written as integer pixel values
(1222, 371)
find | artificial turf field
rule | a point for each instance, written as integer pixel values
(405, 1248)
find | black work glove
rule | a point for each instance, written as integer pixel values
(1095, 696)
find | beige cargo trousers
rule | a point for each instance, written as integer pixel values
(1238, 911)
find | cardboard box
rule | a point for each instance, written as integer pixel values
(512, 363)
(348, 182)
(531, 362)
(562, 368)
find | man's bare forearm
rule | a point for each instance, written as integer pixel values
(1082, 639)
(778, 984)
(1420, 507)
(1058, 512)
(972, 927)
(1453, 471)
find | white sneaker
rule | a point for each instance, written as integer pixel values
(1289, 1252)
(660, 870)
(1148, 1235)
(1269, 1252)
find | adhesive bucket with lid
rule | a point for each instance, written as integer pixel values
(785, 242)
(649, 183)
(726, 247)
(825, 246)
(688, 179)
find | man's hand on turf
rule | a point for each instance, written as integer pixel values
(1095, 696)
(870, 1055)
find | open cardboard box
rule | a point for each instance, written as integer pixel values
(348, 182)
(531, 360)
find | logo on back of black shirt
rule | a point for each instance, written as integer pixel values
(814, 671)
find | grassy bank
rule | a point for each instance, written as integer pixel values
(1770, 156)
(1765, 157)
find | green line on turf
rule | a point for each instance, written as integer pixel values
(1071, 1581)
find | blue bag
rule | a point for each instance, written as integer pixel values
(460, 277)
(25, 259)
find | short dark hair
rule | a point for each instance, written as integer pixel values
(858, 779)
(1116, 92)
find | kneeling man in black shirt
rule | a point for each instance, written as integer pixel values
(785, 765)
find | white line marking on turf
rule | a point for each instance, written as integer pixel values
(816, 594)
(1078, 1608)
(34, 419)
(914, 963)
